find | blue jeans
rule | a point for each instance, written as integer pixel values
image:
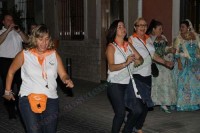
(45, 122)
(116, 93)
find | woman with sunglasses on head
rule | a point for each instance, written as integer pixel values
(144, 45)
(120, 56)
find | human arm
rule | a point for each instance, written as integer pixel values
(23, 35)
(177, 54)
(180, 66)
(170, 49)
(16, 64)
(110, 51)
(138, 58)
(160, 60)
(63, 74)
(5, 33)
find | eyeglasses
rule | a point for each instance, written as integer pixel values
(141, 25)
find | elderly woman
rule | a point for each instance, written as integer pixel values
(38, 99)
(144, 45)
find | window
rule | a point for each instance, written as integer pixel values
(190, 9)
(71, 16)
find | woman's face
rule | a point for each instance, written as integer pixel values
(141, 27)
(158, 30)
(121, 30)
(42, 43)
(183, 28)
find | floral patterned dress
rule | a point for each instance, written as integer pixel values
(188, 79)
(163, 86)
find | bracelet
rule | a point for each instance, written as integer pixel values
(7, 93)
(124, 65)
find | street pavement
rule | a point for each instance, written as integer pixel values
(89, 111)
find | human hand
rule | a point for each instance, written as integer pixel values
(169, 64)
(172, 50)
(138, 62)
(180, 67)
(17, 29)
(10, 27)
(9, 95)
(69, 83)
(130, 59)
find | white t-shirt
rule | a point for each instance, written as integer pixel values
(12, 45)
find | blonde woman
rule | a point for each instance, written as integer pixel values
(38, 99)
(144, 45)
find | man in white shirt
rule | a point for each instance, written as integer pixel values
(11, 38)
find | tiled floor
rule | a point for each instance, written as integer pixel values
(89, 111)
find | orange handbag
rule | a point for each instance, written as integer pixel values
(37, 102)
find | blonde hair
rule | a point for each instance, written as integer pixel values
(137, 20)
(38, 32)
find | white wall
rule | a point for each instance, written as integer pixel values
(175, 18)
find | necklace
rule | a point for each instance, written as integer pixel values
(188, 36)
(42, 62)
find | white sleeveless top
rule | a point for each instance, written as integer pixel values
(145, 68)
(121, 76)
(32, 79)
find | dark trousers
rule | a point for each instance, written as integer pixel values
(141, 108)
(140, 114)
(4, 67)
(116, 93)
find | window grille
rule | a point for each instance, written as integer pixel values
(71, 16)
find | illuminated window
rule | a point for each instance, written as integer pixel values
(71, 19)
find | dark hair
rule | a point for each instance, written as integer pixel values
(112, 31)
(153, 24)
(185, 22)
(31, 24)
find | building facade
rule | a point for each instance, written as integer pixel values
(81, 25)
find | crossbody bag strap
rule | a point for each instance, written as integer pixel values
(145, 47)
(129, 71)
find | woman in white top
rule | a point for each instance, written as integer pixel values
(142, 74)
(118, 74)
(39, 63)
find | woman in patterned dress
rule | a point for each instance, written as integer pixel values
(163, 87)
(187, 68)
